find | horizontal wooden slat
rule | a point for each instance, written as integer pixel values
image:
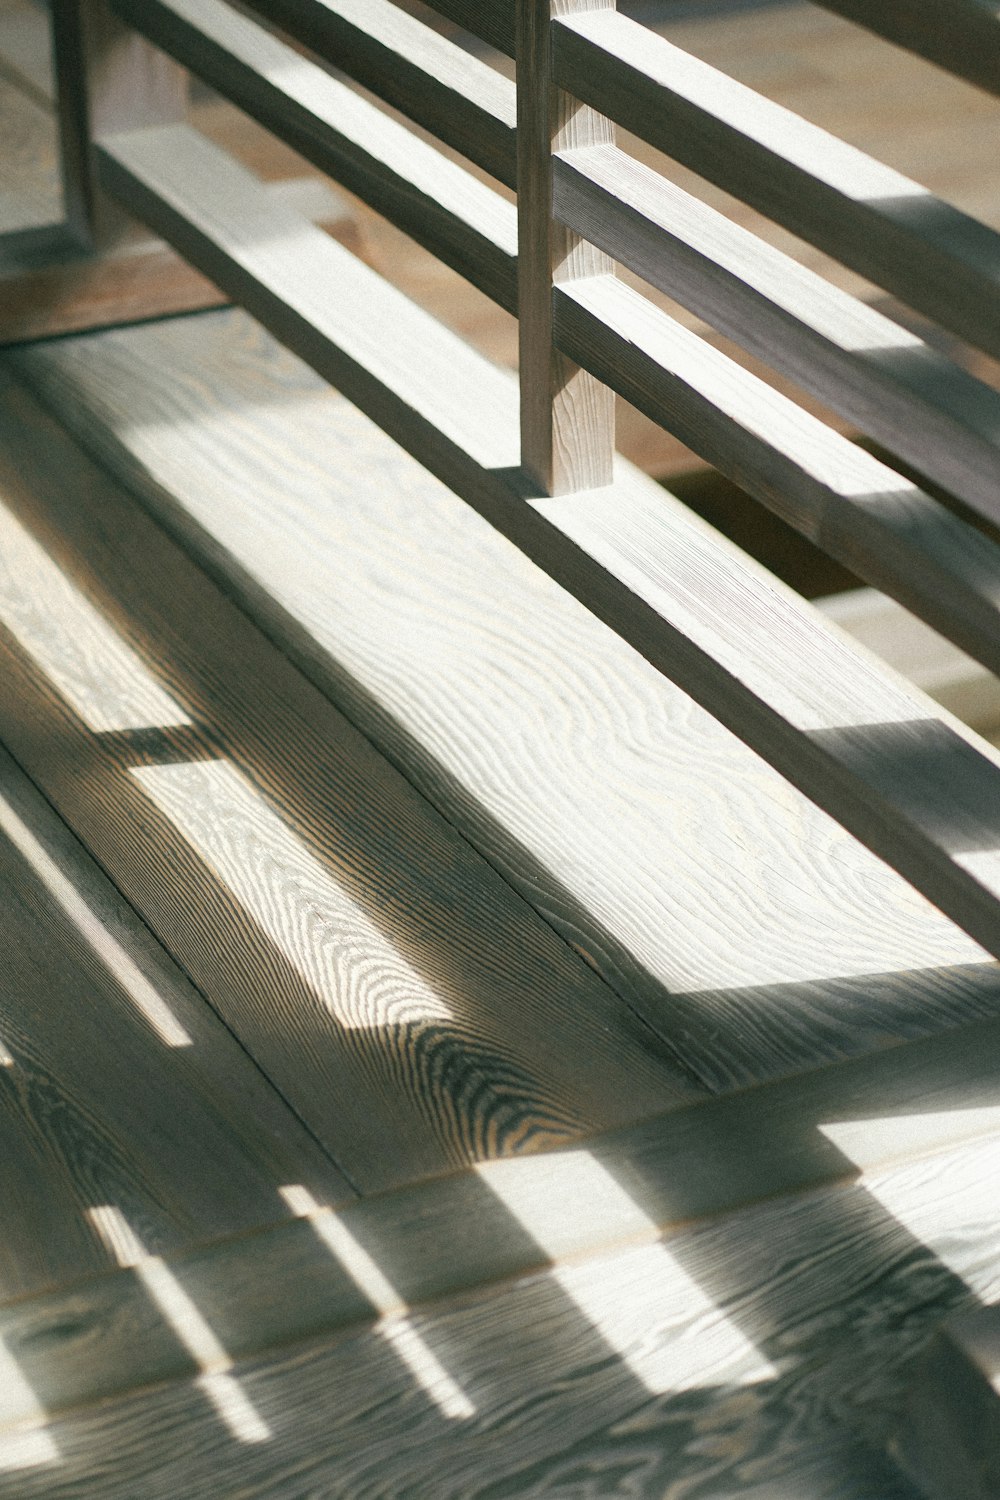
(960, 35)
(888, 381)
(881, 526)
(878, 758)
(460, 99)
(448, 210)
(866, 215)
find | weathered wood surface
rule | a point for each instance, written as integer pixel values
(445, 90)
(765, 940)
(878, 524)
(764, 1354)
(872, 218)
(29, 178)
(882, 760)
(567, 418)
(118, 1084)
(890, 382)
(413, 1010)
(510, 1220)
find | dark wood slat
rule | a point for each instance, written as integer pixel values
(462, 100)
(894, 385)
(330, 575)
(416, 1013)
(960, 35)
(490, 20)
(567, 418)
(871, 218)
(437, 202)
(879, 525)
(118, 1084)
(881, 760)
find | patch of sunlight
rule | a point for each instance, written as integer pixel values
(123, 969)
(324, 934)
(6, 1060)
(637, 1296)
(393, 1325)
(100, 676)
(877, 1140)
(946, 1200)
(230, 1402)
(28, 1444)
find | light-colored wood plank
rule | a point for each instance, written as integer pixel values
(763, 1354)
(872, 218)
(511, 1221)
(879, 525)
(426, 76)
(567, 419)
(118, 1084)
(765, 940)
(887, 381)
(415, 1012)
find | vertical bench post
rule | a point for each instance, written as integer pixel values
(108, 79)
(567, 417)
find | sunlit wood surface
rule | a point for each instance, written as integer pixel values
(437, 1059)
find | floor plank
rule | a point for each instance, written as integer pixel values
(754, 934)
(415, 1011)
(766, 1354)
(118, 1084)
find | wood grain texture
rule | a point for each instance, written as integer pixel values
(764, 1354)
(29, 173)
(873, 219)
(879, 525)
(509, 1221)
(118, 1084)
(567, 419)
(964, 39)
(765, 940)
(889, 382)
(412, 1009)
(433, 199)
(458, 97)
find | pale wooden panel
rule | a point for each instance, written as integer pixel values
(29, 176)
(765, 1354)
(960, 35)
(458, 97)
(873, 219)
(879, 525)
(891, 383)
(412, 1008)
(765, 939)
(433, 199)
(118, 1084)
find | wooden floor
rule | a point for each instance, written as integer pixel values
(437, 1060)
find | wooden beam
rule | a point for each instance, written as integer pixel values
(462, 100)
(567, 417)
(440, 204)
(871, 218)
(878, 524)
(890, 382)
